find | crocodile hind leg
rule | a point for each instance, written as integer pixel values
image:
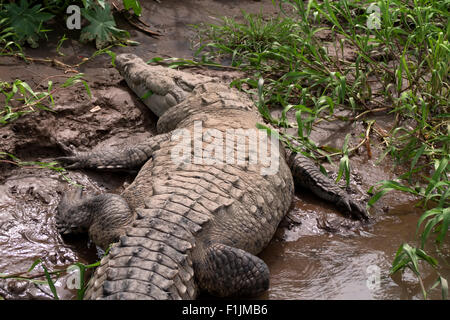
(307, 175)
(227, 271)
(105, 217)
(127, 157)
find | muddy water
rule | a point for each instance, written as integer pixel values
(315, 264)
(316, 254)
(27, 233)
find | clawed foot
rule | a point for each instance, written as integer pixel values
(70, 162)
(353, 209)
(73, 160)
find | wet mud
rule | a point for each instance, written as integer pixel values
(316, 253)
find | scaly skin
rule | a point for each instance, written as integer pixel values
(181, 227)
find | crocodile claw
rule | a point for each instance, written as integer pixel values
(73, 160)
(70, 162)
(353, 208)
(358, 211)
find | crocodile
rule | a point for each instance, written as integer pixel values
(190, 223)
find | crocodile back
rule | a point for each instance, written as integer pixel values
(199, 188)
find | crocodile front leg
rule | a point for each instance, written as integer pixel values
(106, 217)
(128, 157)
(307, 175)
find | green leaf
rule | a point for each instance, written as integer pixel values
(417, 156)
(411, 253)
(113, 57)
(146, 95)
(422, 254)
(133, 4)
(377, 196)
(298, 116)
(102, 27)
(28, 88)
(50, 282)
(86, 86)
(269, 131)
(27, 21)
(35, 263)
(344, 163)
(72, 80)
(343, 167)
(400, 260)
(89, 3)
(101, 3)
(400, 264)
(441, 166)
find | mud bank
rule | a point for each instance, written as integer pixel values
(317, 254)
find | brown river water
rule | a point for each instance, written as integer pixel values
(316, 253)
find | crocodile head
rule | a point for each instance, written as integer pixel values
(160, 88)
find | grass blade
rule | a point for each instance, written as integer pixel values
(50, 283)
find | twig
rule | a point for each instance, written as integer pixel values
(366, 138)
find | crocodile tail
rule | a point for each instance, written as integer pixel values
(152, 261)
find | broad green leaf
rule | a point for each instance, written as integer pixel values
(344, 168)
(102, 27)
(426, 215)
(411, 253)
(424, 256)
(26, 20)
(400, 259)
